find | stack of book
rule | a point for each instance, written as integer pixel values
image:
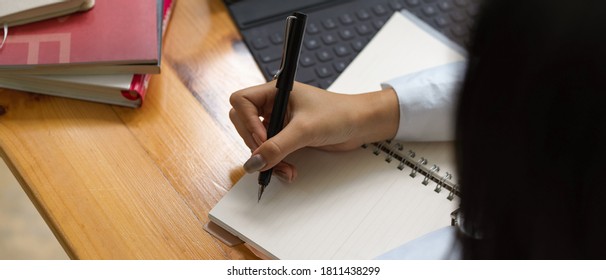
(102, 51)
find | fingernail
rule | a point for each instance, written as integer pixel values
(282, 176)
(254, 163)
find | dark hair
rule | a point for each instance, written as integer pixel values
(531, 131)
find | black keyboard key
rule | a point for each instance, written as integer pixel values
(327, 82)
(346, 34)
(306, 79)
(329, 39)
(316, 84)
(378, 23)
(363, 29)
(312, 43)
(272, 69)
(346, 19)
(269, 56)
(324, 72)
(259, 43)
(276, 38)
(429, 11)
(396, 5)
(306, 60)
(363, 15)
(445, 6)
(358, 45)
(342, 50)
(339, 66)
(329, 23)
(380, 10)
(441, 21)
(312, 28)
(413, 3)
(324, 55)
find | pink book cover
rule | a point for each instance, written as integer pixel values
(138, 86)
(113, 32)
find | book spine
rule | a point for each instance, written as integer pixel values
(139, 83)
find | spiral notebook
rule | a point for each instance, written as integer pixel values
(363, 203)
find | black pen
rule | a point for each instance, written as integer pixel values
(295, 29)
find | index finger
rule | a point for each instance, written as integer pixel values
(251, 103)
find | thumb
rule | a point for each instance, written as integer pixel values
(275, 149)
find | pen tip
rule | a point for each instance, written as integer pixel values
(259, 193)
(261, 189)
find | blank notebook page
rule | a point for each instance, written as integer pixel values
(351, 205)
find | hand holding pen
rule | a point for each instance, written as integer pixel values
(295, 29)
(316, 118)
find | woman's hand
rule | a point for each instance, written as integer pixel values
(315, 118)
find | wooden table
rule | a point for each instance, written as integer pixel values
(120, 183)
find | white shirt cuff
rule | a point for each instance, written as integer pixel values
(427, 102)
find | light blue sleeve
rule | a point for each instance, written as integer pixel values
(427, 102)
(441, 244)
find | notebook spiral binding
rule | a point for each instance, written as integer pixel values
(395, 151)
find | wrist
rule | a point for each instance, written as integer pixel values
(379, 116)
